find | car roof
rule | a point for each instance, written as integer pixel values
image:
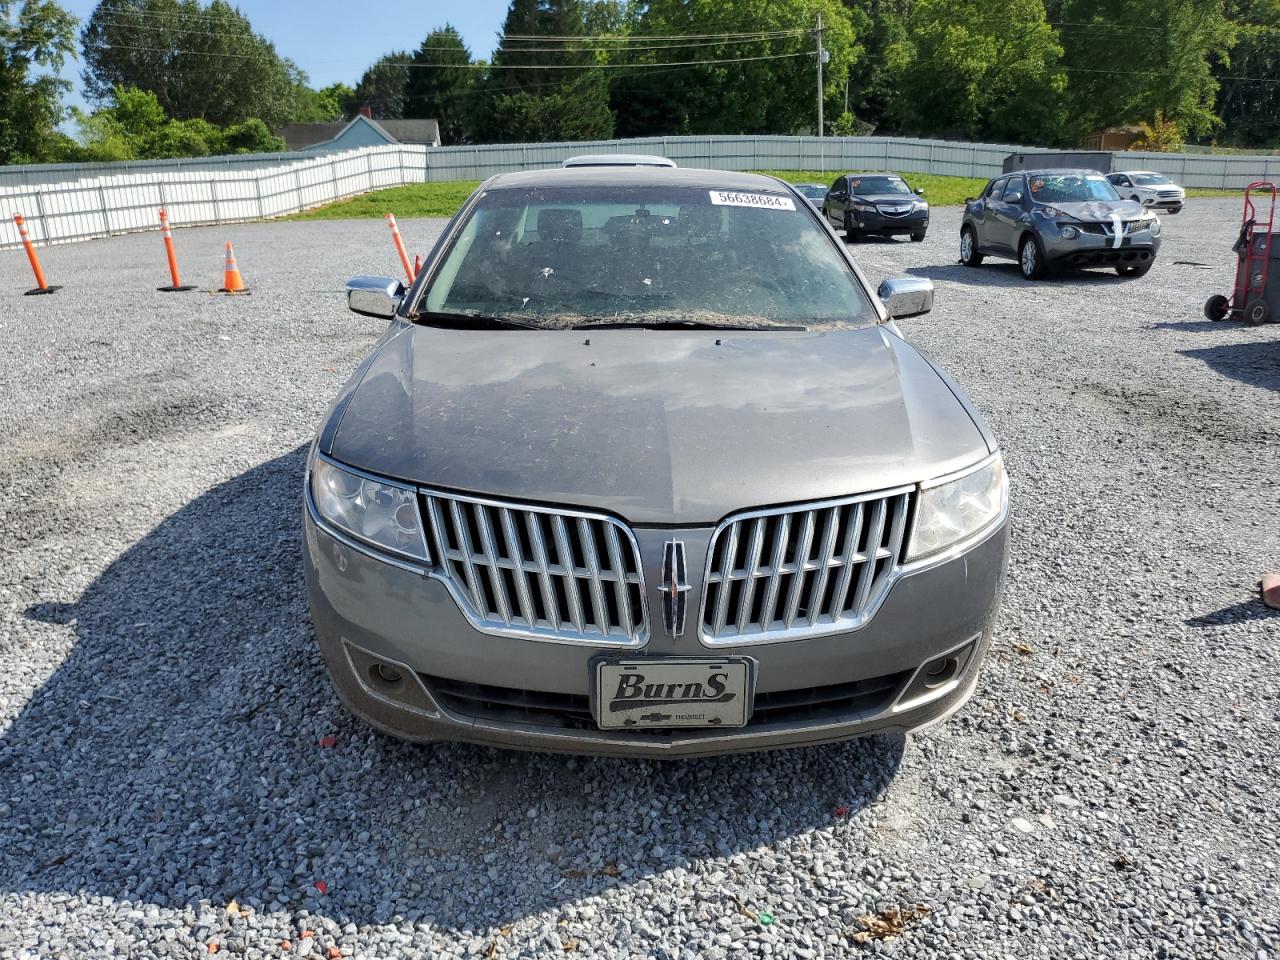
(871, 173)
(636, 176)
(1054, 172)
(618, 160)
(816, 186)
(1134, 173)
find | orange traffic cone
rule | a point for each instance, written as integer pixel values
(232, 282)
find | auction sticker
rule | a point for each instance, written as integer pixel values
(763, 201)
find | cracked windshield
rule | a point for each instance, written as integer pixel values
(646, 257)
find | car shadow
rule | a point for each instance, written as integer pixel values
(181, 753)
(1256, 363)
(998, 273)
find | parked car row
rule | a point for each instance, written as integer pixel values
(1043, 219)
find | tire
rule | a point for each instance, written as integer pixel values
(1136, 199)
(1217, 308)
(850, 235)
(1175, 210)
(917, 238)
(1134, 270)
(1256, 312)
(1031, 258)
(969, 255)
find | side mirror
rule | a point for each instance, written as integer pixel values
(1013, 197)
(374, 296)
(906, 296)
(919, 191)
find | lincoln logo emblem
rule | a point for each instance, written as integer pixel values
(674, 586)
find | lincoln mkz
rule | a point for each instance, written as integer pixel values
(643, 465)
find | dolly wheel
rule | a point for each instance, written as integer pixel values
(1217, 307)
(1255, 312)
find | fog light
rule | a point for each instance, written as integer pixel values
(940, 671)
(937, 677)
(1070, 233)
(386, 673)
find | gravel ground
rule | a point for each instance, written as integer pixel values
(1110, 790)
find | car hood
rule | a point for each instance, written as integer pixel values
(1100, 211)
(889, 198)
(660, 426)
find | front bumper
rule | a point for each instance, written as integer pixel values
(1096, 250)
(876, 222)
(458, 683)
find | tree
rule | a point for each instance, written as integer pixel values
(980, 69)
(768, 85)
(381, 89)
(322, 106)
(201, 62)
(37, 36)
(879, 24)
(1248, 95)
(440, 84)
(133, 127)
(1129, 58)
(544, 89)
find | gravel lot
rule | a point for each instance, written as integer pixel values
(1111, 790)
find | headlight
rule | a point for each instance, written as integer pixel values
(954, 510)
(378, 512)
(1069, 232)
(919, 205)
(1154, 226)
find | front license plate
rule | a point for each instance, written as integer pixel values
(640, 694)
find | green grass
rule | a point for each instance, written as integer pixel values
(414, 200)
(443, 199)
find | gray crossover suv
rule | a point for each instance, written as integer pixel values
(641, 465)
(1047, 219)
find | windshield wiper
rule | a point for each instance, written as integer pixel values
(609, 323)
(479, 321)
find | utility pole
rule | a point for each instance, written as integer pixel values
(821, 53)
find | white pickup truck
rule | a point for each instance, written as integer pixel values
(1149, 188)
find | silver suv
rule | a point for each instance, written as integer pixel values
(641, 465)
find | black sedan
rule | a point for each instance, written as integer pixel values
(883, 204)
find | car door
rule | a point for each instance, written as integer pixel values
(1004, 215)
(1123, 185)
(837, 197)
(982, 215)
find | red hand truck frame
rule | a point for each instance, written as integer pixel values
(1247, 301)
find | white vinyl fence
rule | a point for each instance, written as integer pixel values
(66, 202)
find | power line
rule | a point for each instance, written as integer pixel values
(482, 66)
(518, 50)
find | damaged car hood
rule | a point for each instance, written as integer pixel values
(662, 426)
(1100, 211)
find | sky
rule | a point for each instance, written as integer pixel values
(336, 39)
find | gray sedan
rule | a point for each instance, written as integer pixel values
(642, 465)
(1055, 219)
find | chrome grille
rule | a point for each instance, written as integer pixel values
(539, 572)
(802, 571)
